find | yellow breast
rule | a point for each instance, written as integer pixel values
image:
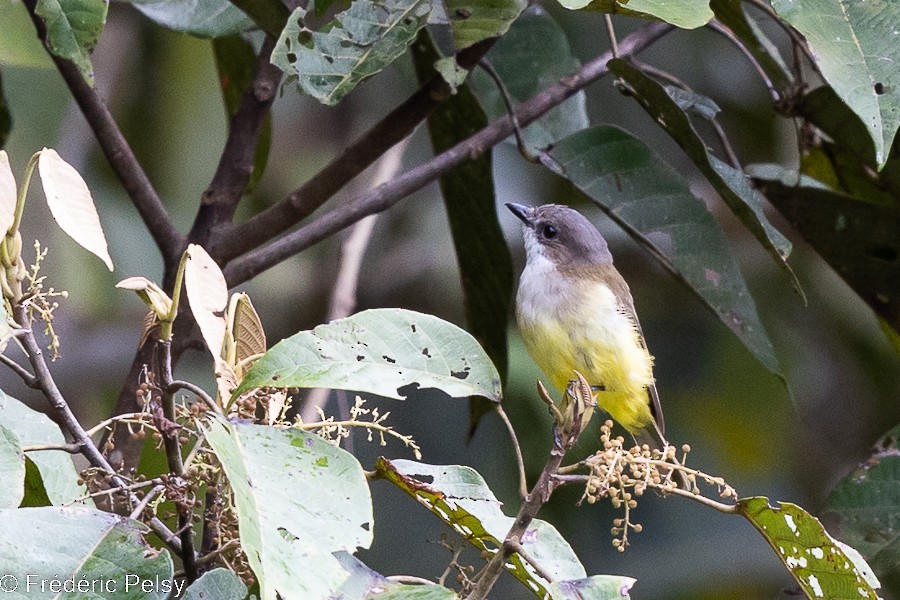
(569, 326)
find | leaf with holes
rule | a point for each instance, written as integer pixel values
(823, 566)
(475, 20)
(299, 499)
(856, 46)
(360, 42)
(72, 205)
(379, 351)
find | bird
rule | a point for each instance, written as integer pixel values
(575, 313)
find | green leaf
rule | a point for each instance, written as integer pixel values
(863, 510)
(12, 469)
(732, 14)
(824, 109)
(35, 492)
(56, 467)
(485, 265)
(379, 351)
(360, 42)
(822, 566)
(81, 544)
(299, 499)
(596, 587)
(651, 201)
(472, 21)
(460, 497)
(532, 55)
(860, 240)
(856, 49)
(687, 14)
(366, 584)
(202, 18)
(73, 28)
(218, 584)
(236, 63)
(731, 184)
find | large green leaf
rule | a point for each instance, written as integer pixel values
(824, 567)
(12, 469)
(687, 14)
(485, 264)
(74, 546)
(236, 63)
(534, 54)
(73, 28)
(650, 200)
(203, 18)
(460, 497)
(863, 510)
(379, 351)
(218, 584)
(57, 470)
(360, 42)
(731, 184)
(860, 240)
(856, 49)
(472, 21)
(299, 499)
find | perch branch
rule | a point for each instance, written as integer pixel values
(388, 194)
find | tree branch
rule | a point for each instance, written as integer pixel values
(47, 386)
(219, 201)
(386, 195)
(118, 153)
(300, 203)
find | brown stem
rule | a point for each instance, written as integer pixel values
(385, 196)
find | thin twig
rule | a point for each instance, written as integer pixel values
(70, 448)
(198, 391)
(175, 461)
(26, 377)
(721, 29)
(47, 386)
(117, 152)
(145, 501)
(611, 32)
(410, 580)
(517, 547)
(300, 203)
(507, 102)
(135, 417)
(385, 196)
(520, 463)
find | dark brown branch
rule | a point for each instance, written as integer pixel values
(26, 377)
(119, 154)
(386, 195)
(221, 198)
(396, 126)
(47, 386)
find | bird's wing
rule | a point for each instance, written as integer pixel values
(655, 406)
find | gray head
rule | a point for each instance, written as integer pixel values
(561, 234)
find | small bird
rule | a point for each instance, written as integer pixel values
(575, 313)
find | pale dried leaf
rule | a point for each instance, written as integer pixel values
(207, 294)
(150, 323)
(71, 204)
(226, 381)
(247, 329)
(7, 194)
(152, 295)
(275, 406)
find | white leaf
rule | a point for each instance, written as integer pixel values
(207, 294)
(7, 194)
(71, 204)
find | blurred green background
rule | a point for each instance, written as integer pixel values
(790, 440)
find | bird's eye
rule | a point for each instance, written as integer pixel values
(549, 232)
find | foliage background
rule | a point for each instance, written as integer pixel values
(740, 420)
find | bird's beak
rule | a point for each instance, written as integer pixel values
(521, 211)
